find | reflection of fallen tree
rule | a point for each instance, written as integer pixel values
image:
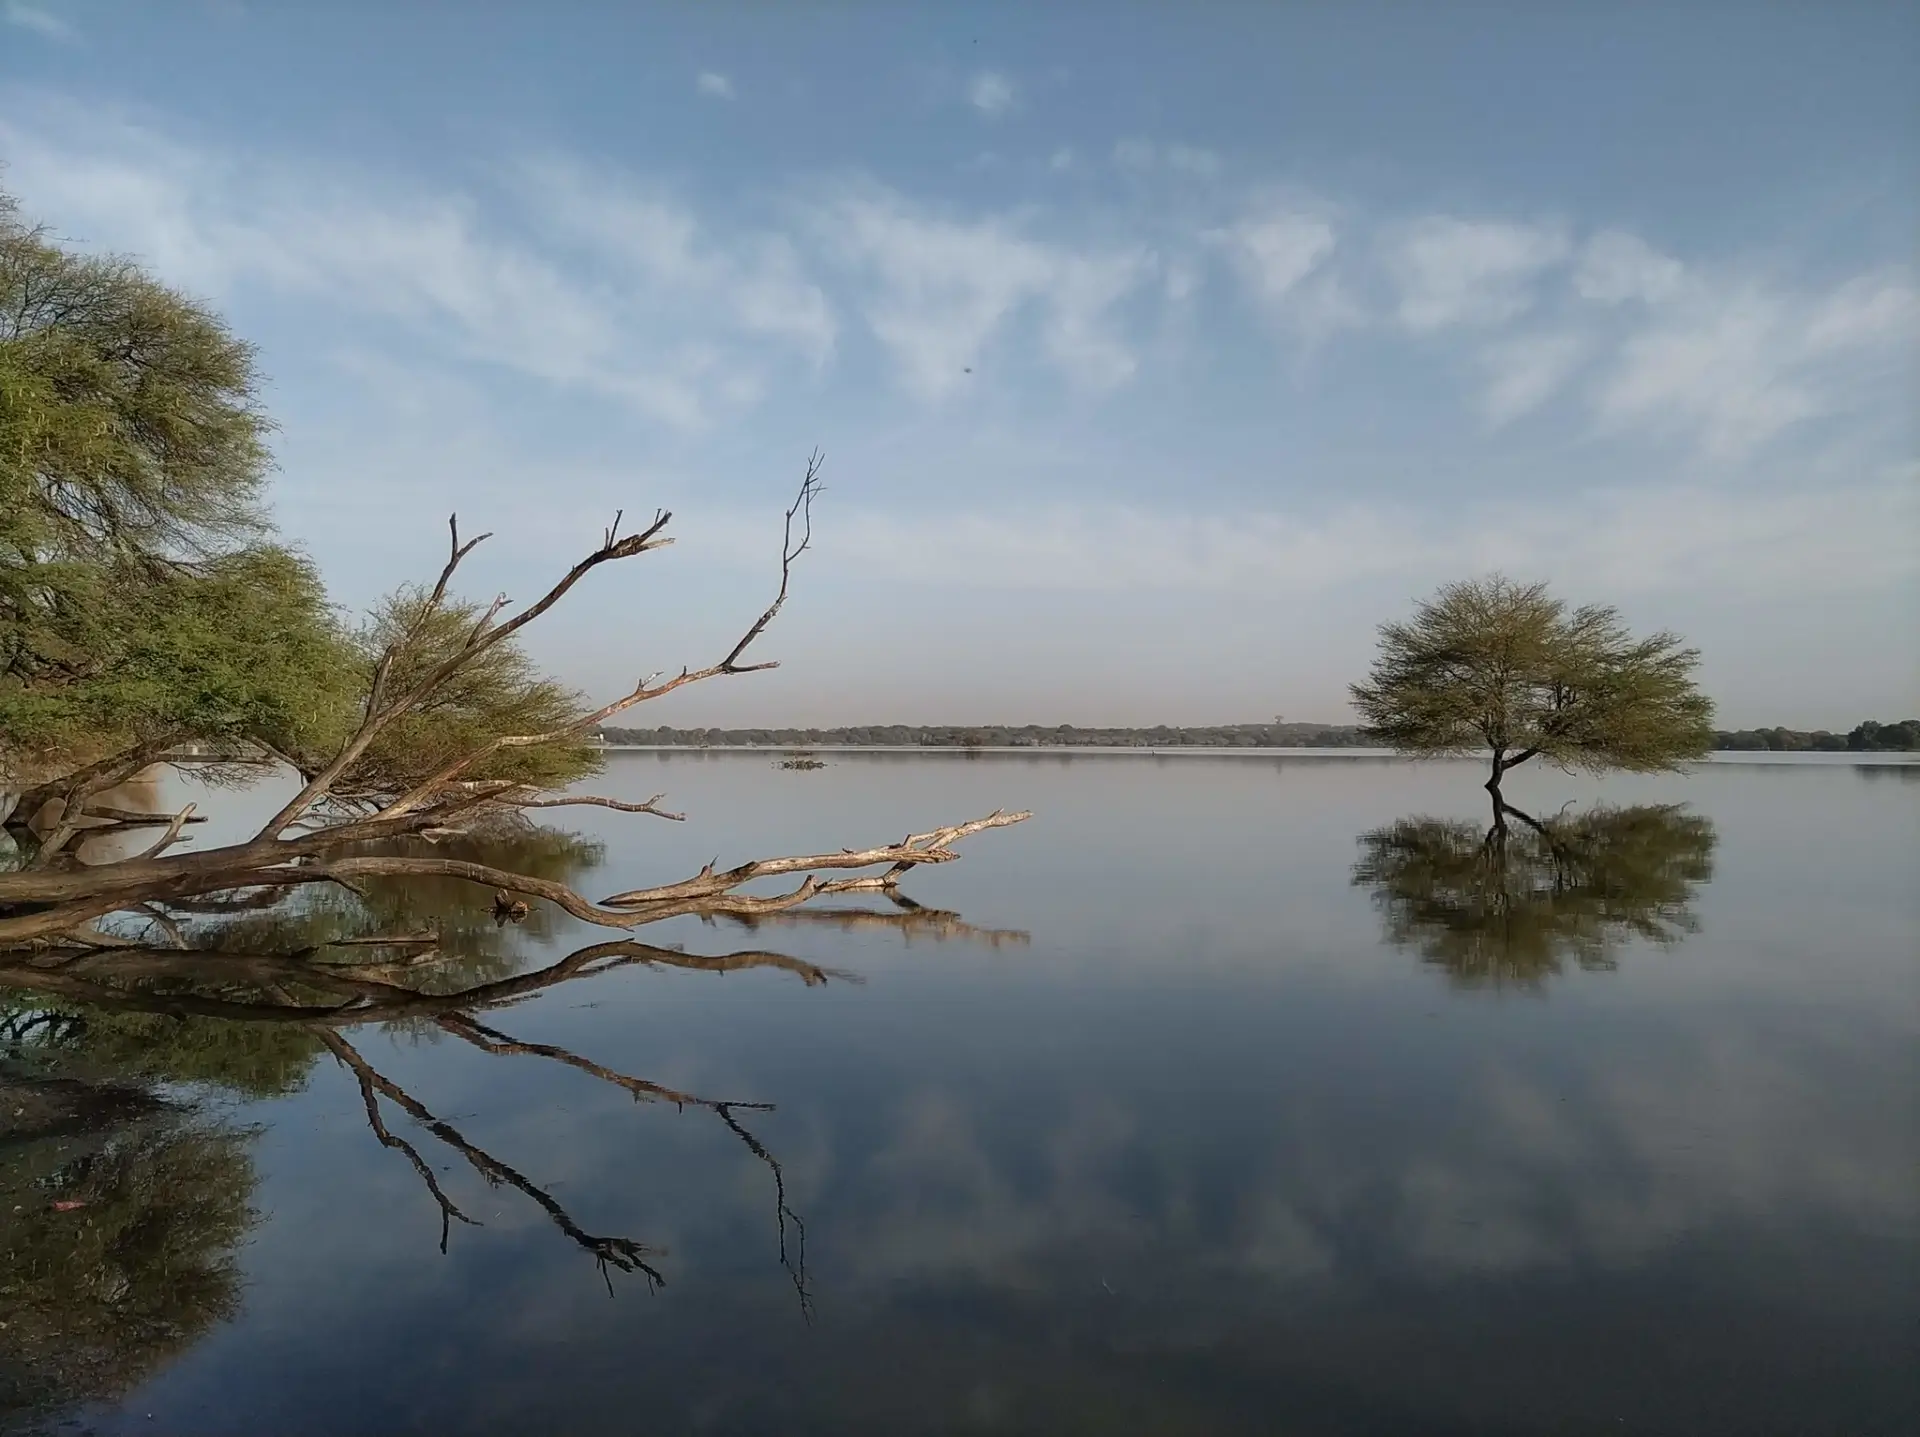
(910, 920)
(299, 993)
(119, 1220)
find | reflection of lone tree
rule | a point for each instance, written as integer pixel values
(1509, 903)
(1503, 667)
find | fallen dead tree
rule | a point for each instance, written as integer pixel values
(64, 909)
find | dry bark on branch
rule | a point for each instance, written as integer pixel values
(308, 840)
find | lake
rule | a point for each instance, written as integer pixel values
(1230, 1094)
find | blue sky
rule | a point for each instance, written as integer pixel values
(1159, 353)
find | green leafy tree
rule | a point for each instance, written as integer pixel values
(241, 649)
(500, 692)
(1506, 668)
(142, 602)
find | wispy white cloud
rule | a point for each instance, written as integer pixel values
(1078, 333)
(1736, 365)
(1283, 251)
(991, 93)
(38, 19)
(639, 326)
(1871, 310)
(1062, 159)
(1801, 542)
(1277, 249)
(1523, 373)
(1144, 155)
(714, 85)
(1616, 267)
(1452, 271)
(755, 283)
(944, 288)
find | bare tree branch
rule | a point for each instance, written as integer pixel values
(591, 800)
(170, 837)
(134, 818)
(382, 715)
(646, 690)
(802, 508)
(914, 849)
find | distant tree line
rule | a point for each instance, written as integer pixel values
(1869, 737)
(1247, 735)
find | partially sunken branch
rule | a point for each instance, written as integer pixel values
(322, 833)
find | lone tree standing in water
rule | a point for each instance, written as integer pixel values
(1491, 664)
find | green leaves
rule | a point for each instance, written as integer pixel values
(132, 453)
(499, 692)
(1490, 664)
(235, 648)
(142, 600)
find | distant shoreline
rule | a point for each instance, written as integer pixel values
(1281, 736)
(1833, 757)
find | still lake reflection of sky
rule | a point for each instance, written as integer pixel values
(1243, 1096)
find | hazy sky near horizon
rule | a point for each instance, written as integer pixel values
(1159, 353)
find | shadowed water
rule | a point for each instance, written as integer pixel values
(1230, 1094)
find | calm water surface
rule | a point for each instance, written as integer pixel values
(1230, 1094)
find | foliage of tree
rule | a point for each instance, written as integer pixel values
(1509, 904)
(144, 602)
(140, 596)
(241, 649)
(499, 692)
(1491, 665)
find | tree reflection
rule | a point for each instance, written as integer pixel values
(86, 1010)
(908, 919)
(229, 994)
(119, 1220)
(445, 926)
(1513, 902)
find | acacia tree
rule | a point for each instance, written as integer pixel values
(1488, 664)
(144, 602)
(144, 605)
